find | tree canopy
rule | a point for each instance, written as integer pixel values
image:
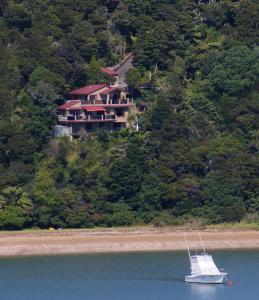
(196, 69)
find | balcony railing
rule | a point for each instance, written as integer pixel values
(110, 117)
(86, 118)
(70, 118)
(120, 102)
(108, 102)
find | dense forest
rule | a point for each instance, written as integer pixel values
(195, 156)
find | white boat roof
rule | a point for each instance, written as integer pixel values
(203, 265)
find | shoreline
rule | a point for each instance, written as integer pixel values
(119, 240)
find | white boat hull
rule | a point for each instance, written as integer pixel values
(205, 278)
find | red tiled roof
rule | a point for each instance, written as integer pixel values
(88, 89)
(94, 108)
(110, 90)
(68, 104)
(109, 71)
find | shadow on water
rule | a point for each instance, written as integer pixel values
(165, 279)
(162, 279)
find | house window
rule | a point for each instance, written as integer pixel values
(120, 112)
(115, 96)
(92, 97)
(104, 97)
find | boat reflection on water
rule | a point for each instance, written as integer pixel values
(205, 291)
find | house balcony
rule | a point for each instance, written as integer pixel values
(119, 102)
(109, 103)
(86, 118)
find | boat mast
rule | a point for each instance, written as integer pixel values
(202, 244)
(187, 246)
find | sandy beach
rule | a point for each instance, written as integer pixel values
(120, 240)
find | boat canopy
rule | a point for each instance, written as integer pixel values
(203, 265)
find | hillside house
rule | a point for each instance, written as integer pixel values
(94, 107)
(97, 106)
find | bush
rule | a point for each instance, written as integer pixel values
(121, 215)
(251, 218)
(79, 219)
(12, 218)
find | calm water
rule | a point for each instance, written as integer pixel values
(142, 276)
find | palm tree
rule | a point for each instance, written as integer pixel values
(15, 196)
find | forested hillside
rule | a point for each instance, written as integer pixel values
(196, 154)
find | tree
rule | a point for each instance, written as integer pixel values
(247, 21)
(223, 198)
(15, 208)
(12, 196)
(12, 218)
(124, 180)
(235, 71)
(196, 152)
(42, 74)
(44, 195)
(94, 74)
(159, 115)
(18, 15)
(151, 194)
(126, 174)
(133, 78)
(42, 112)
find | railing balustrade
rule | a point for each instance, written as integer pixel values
(109, 117)
(86, 117)
(119, 101)
(109, 102)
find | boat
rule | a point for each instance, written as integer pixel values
(203, 268)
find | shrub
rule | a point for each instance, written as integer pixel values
(12, 218)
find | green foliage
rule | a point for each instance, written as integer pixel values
(41, 112)
(15, 208)
(12, 218)
(196, 80)
(43, 74)
(17, 15)
(102, 137)
(159, 115)
(223, 199)
(151, 194)
(94, 71)
(246, 19)
(133, 78)
(235, 71)
(118, 214)
(124, 179)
